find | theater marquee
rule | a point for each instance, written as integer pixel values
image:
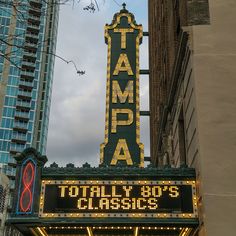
(119, 198)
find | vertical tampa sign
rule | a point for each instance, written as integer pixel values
(122, 144)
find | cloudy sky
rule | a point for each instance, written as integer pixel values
(77, 115)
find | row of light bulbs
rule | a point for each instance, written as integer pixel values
(115, 182)
(118, 227)
(105, 215)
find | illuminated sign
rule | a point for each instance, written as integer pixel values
(121, 198)
(122, 144)
(26, 187)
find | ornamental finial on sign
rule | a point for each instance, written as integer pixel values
(124, 5)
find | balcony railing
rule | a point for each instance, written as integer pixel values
(11, 160)
(20, 125)
(31, 45)
(20, 114)
(33, 26)
(28, 65)
(30, 54)
(34, 17)
(27, 74)
(24, 94)
(23, 104)
(36, 1)
(15, 147)
(33, 36)
(35, 10)
(27, 84)
(19, 137)
(10, 173)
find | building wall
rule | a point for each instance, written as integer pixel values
(214, 73)
(4, 194)
(163, 46)
(26, 72)
(194, 124)
(166, 19)
(46, 81)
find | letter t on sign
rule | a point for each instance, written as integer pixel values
(123, 35)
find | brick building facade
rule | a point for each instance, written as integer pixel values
(192, 100)
(166, 20)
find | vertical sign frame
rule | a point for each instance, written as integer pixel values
(122, 144)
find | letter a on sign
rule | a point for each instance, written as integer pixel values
(122, 144)
(123, 65)
(121, 153)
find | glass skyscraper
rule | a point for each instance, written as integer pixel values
(28, 32)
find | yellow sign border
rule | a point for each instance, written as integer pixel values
(140, 35)
(119, 215)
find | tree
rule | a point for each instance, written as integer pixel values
(19, 6)
(12, 39)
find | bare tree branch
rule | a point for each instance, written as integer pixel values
(80, 72)
(10, 40)
(19, 7)
(8, 58)
(68, 62)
